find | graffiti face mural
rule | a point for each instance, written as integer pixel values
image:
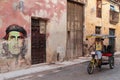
(16, 41)
(14, 46)
(15, 35)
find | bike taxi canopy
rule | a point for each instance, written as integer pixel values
(100, 36)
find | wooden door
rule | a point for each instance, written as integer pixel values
(74, 30)
(38, 41)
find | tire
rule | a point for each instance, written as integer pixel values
(90, 68)
(111, 62)
(100, 64)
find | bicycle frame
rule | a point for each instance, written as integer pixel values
(93, 57)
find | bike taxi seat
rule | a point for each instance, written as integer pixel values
(107, 54)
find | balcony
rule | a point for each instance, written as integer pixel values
(115, 1)
(114, 17)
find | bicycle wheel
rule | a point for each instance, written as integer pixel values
(90, 68)
(111, 62)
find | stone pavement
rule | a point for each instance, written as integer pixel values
(42, 67)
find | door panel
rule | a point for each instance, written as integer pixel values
(38, 41)
(74, 30)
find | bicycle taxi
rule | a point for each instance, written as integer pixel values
(107, 51)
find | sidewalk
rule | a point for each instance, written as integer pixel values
(42, 67)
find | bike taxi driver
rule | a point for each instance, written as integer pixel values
(98, 48)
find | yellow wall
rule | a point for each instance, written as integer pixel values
(91, 20)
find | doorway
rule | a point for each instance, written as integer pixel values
(112, 40)
(74, 30)
(38, 40)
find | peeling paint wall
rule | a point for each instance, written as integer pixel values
(91, 21)
(52, 10)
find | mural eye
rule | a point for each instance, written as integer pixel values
(20, 37)
(12, 37)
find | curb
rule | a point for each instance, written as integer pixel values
(42, 68)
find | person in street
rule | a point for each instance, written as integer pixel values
(97, 46)
(98, 49)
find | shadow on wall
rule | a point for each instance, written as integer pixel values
(60, 54)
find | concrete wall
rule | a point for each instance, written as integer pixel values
(91, 20)
(12, 13)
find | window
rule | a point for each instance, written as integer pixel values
(42, 27)
(98, 30)
(99, 8)
(114, 15)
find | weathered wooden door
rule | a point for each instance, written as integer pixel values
(74, 29)
(38, 41)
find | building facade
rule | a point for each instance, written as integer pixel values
(102, 17)
(39, 31)
(43, 25)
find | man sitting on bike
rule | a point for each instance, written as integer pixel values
(98, 49)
